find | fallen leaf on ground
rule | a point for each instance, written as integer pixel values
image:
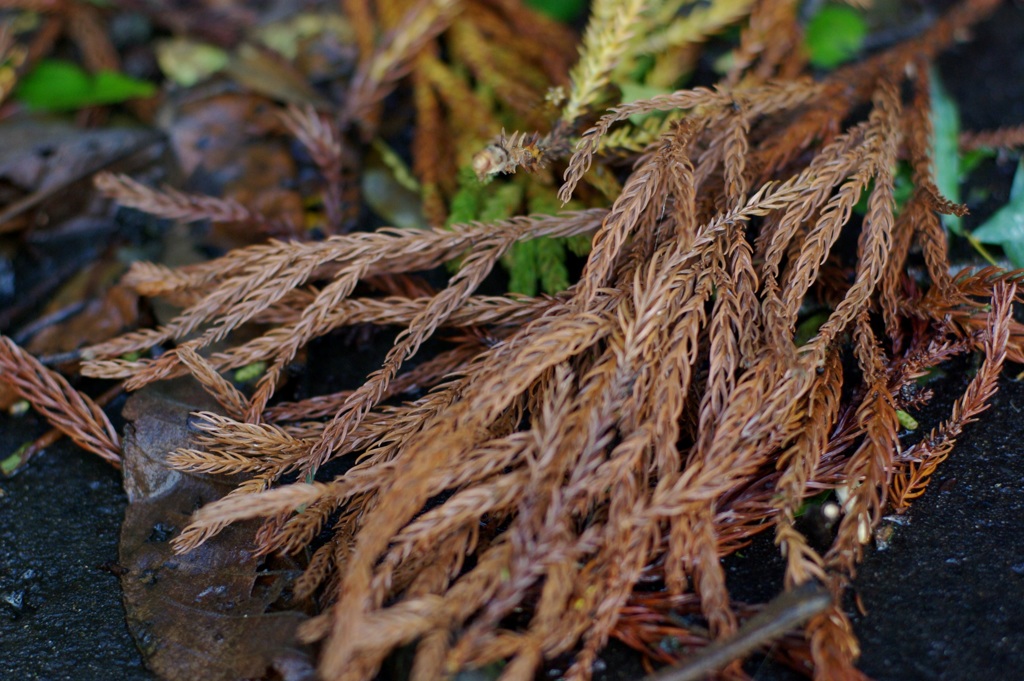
(202, 614)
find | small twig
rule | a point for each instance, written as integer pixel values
(785, 612)
(25, 334)
(59, 358)
(53, 279)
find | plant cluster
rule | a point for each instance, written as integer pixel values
(504, 497)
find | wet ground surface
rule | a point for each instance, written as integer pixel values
(60, 609)
(944, 599)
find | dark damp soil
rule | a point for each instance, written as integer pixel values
(944, 599)
(60, 603)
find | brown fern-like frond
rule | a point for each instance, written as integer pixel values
(172, 204)
(834, 648)
(320, 137)
(429, 157)
(1009, 137)
(227, 395)
(68, 410)
(910, 482)
(869, 469)
(768, 98)
(377, 75)
(360, 14)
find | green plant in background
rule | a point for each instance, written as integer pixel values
(906, 420)
(834, 35)
(1006, 227)
(643, 49)
(11, 463)
(560, 10)
(250, 372)
(945, 148)
(532, 266)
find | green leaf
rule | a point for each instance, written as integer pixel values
(808, 328)
(946, 148)
(970, 160)
(1006, 226)
(903, 186)
(1015, 252)
(817, 500)
(559, 10)
(903, 189)
(57, 85)
(834, 36)
(187, 62)
(389, 199)
(1017, 186)
(399, 169)
(579, 244)
(110, 87)
(12, 463)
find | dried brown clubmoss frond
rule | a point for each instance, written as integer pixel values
(227, 395)
(1002, 138)
(643, 423)
(924, 458)
(379, 73)
(172, 204)
(427, 159)
(320, 137)
(255, 278)
(358, 12)
(771, 43)
(68, 410)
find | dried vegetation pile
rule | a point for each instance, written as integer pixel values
(508, 493)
